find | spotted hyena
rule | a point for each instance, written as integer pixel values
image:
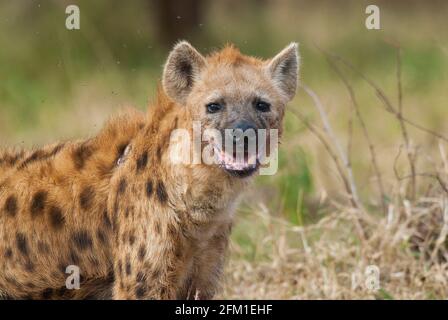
(137, 224)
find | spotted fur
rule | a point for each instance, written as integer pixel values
(137, 225)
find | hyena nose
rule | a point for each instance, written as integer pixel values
(243, 132)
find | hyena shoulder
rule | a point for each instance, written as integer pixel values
(53, 211)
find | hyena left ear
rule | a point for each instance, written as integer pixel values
(181, 71)
(284, 68)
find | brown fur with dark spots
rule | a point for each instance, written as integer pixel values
(41, 209)
(137, 225)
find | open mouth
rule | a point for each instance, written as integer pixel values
(238, 164)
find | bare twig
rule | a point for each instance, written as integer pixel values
(371, 146)
(328, 129)
(403, 128)
(350, 128)
(336, 160)
(386, 102)
(397, 175)
(327, 147)
(434, 175)
(444, 157)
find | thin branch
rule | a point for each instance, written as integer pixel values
(350, 130)
(397, 175)
(404, 130)
(365, 132)
(435, 176)
(399, 86)
(327, 147)
(444, 157)
(387, 104)
(328, 129)
(339, 167)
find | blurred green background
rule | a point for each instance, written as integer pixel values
(61, 84)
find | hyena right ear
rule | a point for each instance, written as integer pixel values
(181, 71)
(284, 69)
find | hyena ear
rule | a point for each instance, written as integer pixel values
(284, 68)
(181, 70)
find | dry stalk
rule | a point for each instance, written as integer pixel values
(386, 102)
(330, 133)
(339, 168)
(404, 131)
(370, 144)
(327, 147)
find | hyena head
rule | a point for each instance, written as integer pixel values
(233, 97)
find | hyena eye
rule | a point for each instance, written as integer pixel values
(262, 106)
(213, 107)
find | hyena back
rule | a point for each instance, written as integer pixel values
(136, 224)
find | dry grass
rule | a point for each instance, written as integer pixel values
(403, 232)
(329, 255)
